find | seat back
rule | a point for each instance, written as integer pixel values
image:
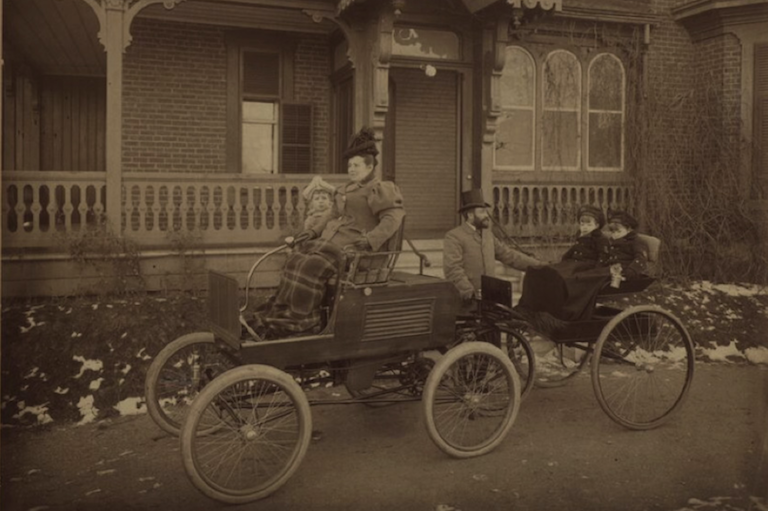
(653, 246)
(370, 268)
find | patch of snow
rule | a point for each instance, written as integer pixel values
(93, 365)
(721, 353)
(32, 324)
(59, 390)
(143, 355)
(126, 369)
(131, 406)
(39, 411)
(730, 289)
(87, 410)
(32, 373)
(96, 384)
(95, 306)
(76, 334)
(757, 355)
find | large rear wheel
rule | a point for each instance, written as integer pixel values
(471, 399)
(262, 436)
(642, 367)
(178, 373)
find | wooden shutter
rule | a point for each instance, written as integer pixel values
(761, 118)
(296, 138)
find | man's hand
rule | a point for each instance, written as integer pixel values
(362, 244)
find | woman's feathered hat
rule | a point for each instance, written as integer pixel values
(361, 143)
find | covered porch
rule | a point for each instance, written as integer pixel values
(132, 116)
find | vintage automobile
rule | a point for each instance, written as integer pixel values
(241, 409)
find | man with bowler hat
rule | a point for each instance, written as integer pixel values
(466, 257)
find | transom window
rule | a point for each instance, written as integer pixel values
(542, 120)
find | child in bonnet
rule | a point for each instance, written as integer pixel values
(318, 195)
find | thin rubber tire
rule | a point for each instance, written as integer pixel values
(461, 384)
(265, 416)
(642, 367)
(167, 420)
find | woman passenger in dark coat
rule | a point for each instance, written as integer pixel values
(566, 291)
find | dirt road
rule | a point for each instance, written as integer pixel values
(562, 453)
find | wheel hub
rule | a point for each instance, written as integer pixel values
(249, 432)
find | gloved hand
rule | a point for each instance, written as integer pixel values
(362, 244)
(292, 241)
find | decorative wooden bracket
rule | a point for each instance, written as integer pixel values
(349, 33)
(129, 8)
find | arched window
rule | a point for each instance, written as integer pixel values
(514, 147)
(561, 111)
(605, 146)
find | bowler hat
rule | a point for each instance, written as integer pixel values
(623, 218)
(594, 212)
(473, 199)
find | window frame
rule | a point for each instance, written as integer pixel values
(236, 44)
(623, 113)
(533, 110)
(539, 53)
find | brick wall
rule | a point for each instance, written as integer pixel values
(669, 82)
(311, 70)
(175, 97)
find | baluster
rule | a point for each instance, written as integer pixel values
(177, 199)
(67, 208)
(269, 200)
(281, 205)
(98, 204)
(34, 209)
(141, 208)
(154, 210)
(260, 205)
(198, 208)
(250, 207)
(238, 208)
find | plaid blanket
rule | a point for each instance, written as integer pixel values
(295, 308)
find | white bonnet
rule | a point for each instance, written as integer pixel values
(316, 184)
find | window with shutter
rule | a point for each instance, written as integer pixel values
(296, 140)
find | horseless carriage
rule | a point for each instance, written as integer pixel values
(242, 410)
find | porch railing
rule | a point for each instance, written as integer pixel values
(215, 208)
(549, 210)
(39, 207)
(160, 209)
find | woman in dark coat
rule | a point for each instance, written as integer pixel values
(370, 213)
(566, 291)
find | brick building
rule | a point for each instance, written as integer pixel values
(190, 126)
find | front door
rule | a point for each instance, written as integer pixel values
(423, 122)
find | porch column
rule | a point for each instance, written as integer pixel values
(495, 38)
(114, 45)
(115, 18)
